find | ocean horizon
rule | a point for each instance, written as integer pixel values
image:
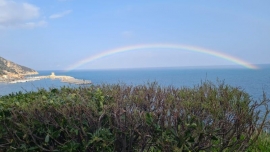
(252, 81)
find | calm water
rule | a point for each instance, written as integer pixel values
(252, 81)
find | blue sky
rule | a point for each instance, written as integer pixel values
(54, 34)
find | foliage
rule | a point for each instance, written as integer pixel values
(208, 117)
(262, 144)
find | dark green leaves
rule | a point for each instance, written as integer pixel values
(118, 117)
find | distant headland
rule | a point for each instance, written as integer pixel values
(63, 78)
(11, 72)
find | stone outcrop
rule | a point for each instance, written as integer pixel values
(10, 70)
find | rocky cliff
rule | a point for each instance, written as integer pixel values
(11, 70)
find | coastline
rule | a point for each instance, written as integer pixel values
(63, 78)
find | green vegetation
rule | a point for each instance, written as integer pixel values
(262, 144)
(144, 118)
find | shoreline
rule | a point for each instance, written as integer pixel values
(63, 78)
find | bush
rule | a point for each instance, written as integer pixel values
(118, 117)
(262, 144)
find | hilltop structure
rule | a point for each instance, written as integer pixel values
(52, 76)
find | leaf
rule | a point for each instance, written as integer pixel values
(201, 136)
(193, 125)
(214, 138)
(149, 119)
(191, 139)
(47, 138)
(33, 148)
(56, 134)
(54, 90)
(44, 97)
(187, 134)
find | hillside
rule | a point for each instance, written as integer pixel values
(11, 70)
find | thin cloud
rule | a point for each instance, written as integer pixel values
(127, 34)
(59, 15)
(15, 14)
(34, 24)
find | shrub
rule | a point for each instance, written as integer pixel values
(118, 117)
(262, 144)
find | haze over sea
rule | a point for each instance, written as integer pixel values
(252, 81)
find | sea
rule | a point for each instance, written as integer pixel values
(254, 82)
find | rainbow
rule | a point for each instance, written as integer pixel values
(163, 46)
